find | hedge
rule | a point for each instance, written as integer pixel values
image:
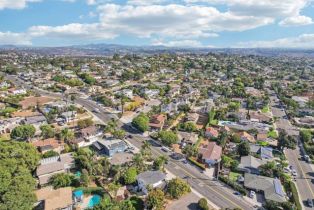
(200, 165)
(295, 196)
(233, 184)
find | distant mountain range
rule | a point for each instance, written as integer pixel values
(110, 49)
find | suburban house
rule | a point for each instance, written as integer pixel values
(46, 145)
(266, 153)
(151, 93)
(211, 132)
(89, 135)
(210, 154)
(68, 116)
(172, 107)
(7, 125)
(192, 117)
(150, 178)
(54, 199)
(54, 165)
(270, 187)
(157, 121)
(109, 147)
(36, 121)
(128, 93)
(187, 138)
(17, 91)
(244, 136)
(250, 164)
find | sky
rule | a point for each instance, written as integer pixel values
(172, 23)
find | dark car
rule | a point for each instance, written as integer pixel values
(130, 136)
(310, 202)
(237, 193)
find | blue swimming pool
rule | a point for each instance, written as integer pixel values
(94, 201)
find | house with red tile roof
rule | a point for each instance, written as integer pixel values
(157, 121)
(211, 132)
(46, 145)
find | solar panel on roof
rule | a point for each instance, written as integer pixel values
(278, 187)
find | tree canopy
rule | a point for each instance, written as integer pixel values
(177, 187)
(18, 160)
(23, 132)
(168, 137)
(141, 122)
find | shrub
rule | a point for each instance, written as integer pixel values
(202, 204)
(200, 165)
(232, 184)
(295, 196)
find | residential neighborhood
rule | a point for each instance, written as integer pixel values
(156, 131)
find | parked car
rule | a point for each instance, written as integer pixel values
(307, 158)
(237, 193)
(185, 161)
(294, 173)
(252, 194)
(96, 110)
(310, 202)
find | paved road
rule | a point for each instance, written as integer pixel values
(305, 178)
(214, 191)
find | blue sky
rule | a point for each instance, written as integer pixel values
(188, 23)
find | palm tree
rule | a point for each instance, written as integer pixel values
(138, 162)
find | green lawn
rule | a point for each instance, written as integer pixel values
(265, 109)
(262, 143)
(272, 134)
(5, 137)
(234, 176)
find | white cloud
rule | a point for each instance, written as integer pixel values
(175, 20)
(296, 21)
(15, 4)
(95, 31)
(180, 43)
(14, 38)
(301, 41)
(145, 2)
(272, 8)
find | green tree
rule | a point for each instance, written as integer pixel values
(129, 176)
(23, 132)
(188, 126)
(47, 131)
(156, 199)
(126, 205)
(285, 141)
(119, 134)
(141, 122)
(18, 160)
(159, 162)
(244, 148)
(50, 153)
(85, 123)
(202, 204)
(61, 180)
(177, 187)
(168, 137)
(306, 135)
(85, 178)
(190, 150)
(66, 134)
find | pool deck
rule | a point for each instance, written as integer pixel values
(85, 202)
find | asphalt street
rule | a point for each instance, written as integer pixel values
(305, 177)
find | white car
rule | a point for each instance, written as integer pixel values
(252, 194)
(294, 173)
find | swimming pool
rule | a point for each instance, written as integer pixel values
(94, 201)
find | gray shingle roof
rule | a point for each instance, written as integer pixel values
(271, 187)
(151, 177)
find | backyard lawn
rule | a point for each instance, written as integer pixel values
(265, 109)
(273, 134)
